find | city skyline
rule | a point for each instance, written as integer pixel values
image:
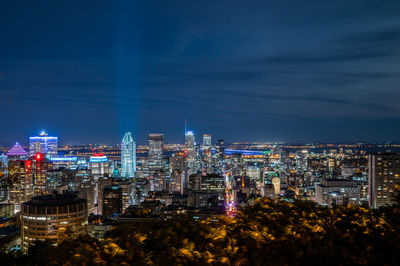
(260, 71)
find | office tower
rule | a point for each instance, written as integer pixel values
(178, 176)
(207, 140)
(53, 217)
(207, 164)
(112, 201)
(20, 182)
(100, 184)
(128, 156)
(190, 152)
(331, 192)
(221, 149)
(86, 191)
(383, 174)
(127, 192)
(43, 144)
(155, 156)
(197, 158)
(3, 177)
(176, 184)
(99, 165)
(190, 142)
(40, 167)
(16, 153)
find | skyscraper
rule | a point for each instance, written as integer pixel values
(155, 160)
(128, 156)
(383, 174)
(43, 144)
(207, 140)
(112, 201)
(221, 149)
(206, 154)
(190, 152)
(155, 156)
(39, 168)
(20, 182)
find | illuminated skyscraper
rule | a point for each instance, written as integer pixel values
(43, 144)
(99, 165)
(155, 161)
(112, 201)
(128, 156)
(221, 149)
(155, 156)
(40, 167)
(20, 182)
(190, 152)
(207, 140)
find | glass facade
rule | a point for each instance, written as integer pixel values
(43, 144)
(128, 156)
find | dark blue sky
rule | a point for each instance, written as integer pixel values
(240, 70)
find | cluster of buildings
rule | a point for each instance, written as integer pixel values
(53, 193)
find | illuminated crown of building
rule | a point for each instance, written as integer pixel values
(17, 150)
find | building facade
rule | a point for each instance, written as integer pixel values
(383, 174)
(53, 217)
(43, 144)
(128, 156)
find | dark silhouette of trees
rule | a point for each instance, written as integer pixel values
(268, 233)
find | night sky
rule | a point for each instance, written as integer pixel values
(241, 70)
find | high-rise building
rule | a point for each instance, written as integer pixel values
(190, 143)
(176, 184)
(99, 165)
(100, 184)
(112, 201)
(155, 156)
(207, 140)
(128, 156)
(3, 177)
(127, 192)
(53, 217)
(20, 182)
(43, 144)
(221, 149)
(40, 167)
(383, 174)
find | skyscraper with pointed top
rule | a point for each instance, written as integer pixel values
(128, 156)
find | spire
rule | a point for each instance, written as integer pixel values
(127, 138)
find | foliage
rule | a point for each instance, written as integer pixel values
(267, 233)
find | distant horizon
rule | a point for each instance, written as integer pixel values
(199, 139)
